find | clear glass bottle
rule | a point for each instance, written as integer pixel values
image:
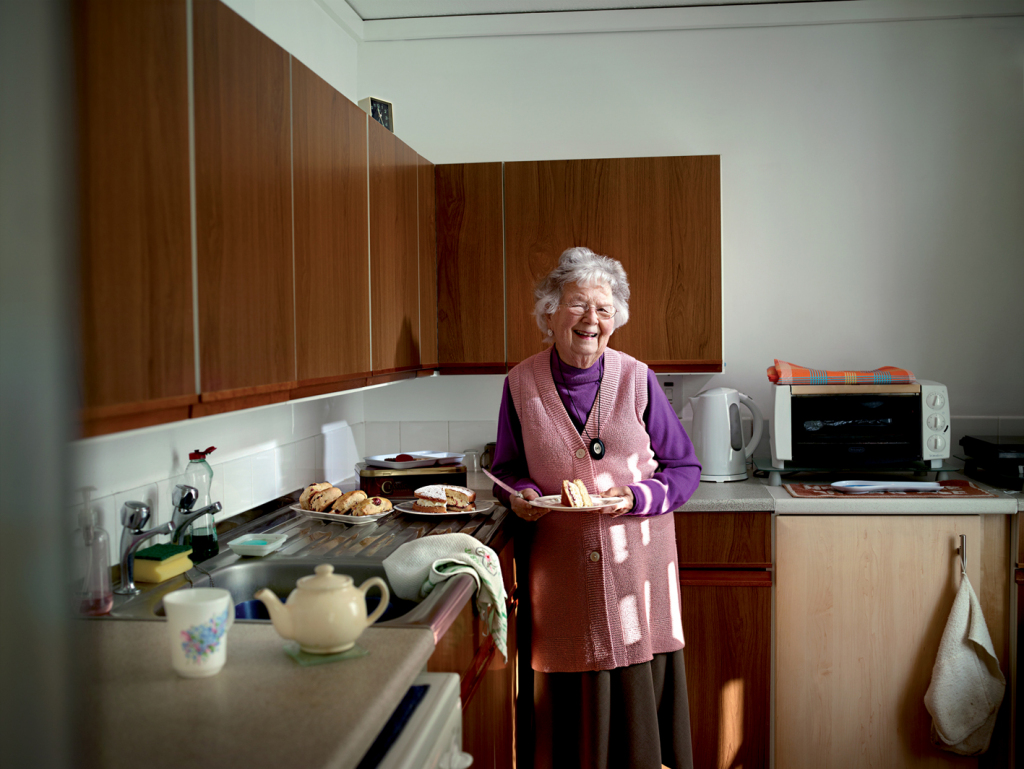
(93, 593)
(202, 535)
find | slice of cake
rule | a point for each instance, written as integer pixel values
(574, 494)
(430, 499)
(459, 498)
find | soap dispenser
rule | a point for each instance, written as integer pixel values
(93, 593)
(202, 537)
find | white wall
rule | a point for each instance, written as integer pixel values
(872, 174)
(309, 33)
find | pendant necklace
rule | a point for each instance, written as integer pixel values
(596, 446)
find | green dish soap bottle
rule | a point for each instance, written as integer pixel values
(202, 535)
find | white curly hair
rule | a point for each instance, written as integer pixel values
(584, 268)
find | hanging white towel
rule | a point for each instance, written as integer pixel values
(967, 686)
(417, 567)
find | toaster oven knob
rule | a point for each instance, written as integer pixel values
(935, 400)
(936, 422)
(936, 443)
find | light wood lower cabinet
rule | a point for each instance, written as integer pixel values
(861, 604)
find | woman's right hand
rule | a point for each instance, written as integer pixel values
(526, 511)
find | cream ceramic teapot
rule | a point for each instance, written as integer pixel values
(325, 612)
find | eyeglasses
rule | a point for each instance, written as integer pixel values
(578, 310)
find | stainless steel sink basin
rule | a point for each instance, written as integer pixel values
(243, 577)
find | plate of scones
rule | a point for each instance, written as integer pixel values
(325, 501)
(575, 496)
(443, 499)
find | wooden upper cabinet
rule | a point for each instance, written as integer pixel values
(394, 254)
(243, 207)
(136, 255)
(428, 263)
(471, 270)
(332, 276)
(660, 217)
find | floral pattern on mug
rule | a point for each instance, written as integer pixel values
(200, 641)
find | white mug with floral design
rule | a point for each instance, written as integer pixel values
(197, 624)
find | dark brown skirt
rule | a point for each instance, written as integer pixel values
(636, 717)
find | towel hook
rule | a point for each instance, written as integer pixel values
(963, 553)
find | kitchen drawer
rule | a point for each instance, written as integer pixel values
(724, 540)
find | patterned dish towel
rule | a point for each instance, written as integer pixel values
(784, 373)
(417, 567)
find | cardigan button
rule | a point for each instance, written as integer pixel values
(580, 453)
(595, 556)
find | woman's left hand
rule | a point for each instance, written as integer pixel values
(623, 507)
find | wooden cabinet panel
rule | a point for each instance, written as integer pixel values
(243, 203)
(332, 274)
(427, 223)
(715, 540)
(470, 312)
(660, 217)
(394, 257)
(136, 253)
(861, 604)
(728, 672)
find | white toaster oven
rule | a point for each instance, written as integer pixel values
(848, 426)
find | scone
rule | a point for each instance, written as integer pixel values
(322, 500)
(372, 506)
(430, 499)
(344, 504)
(310, 491)
(459, 498)
(574, 494)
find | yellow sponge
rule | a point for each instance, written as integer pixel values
(159, 563)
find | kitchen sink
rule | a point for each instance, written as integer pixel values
(243, 577)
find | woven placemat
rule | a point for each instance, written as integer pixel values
(957, 489)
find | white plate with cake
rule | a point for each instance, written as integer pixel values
(554, 502)
(575, 496)
(407, 507)
(445, 499)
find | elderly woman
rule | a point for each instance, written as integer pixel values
(604, 584)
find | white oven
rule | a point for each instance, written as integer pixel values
(426, 730)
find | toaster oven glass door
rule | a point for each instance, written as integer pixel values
(840, 430)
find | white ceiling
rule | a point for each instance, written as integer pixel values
(372, 10)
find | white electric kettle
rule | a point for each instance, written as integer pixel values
(717, 433)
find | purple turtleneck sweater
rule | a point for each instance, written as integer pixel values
(678, 467)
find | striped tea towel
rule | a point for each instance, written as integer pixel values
(784, 373)
(417, 567)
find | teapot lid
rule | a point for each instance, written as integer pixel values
(324, 579)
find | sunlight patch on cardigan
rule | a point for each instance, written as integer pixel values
(634, 467)
(620, 546)
(630, 620)
(645, 531)
(673, 600)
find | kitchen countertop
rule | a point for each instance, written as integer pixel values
(262, 710)
(755, 495)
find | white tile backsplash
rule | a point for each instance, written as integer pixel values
(297, 465)
(382, 438)
(340, 454)
(266, 474)
(471, 436)
(423, 436)
(237, 478)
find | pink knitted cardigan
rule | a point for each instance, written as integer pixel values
(604, 591)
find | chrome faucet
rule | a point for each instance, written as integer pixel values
(134, 517)
(184, 497)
